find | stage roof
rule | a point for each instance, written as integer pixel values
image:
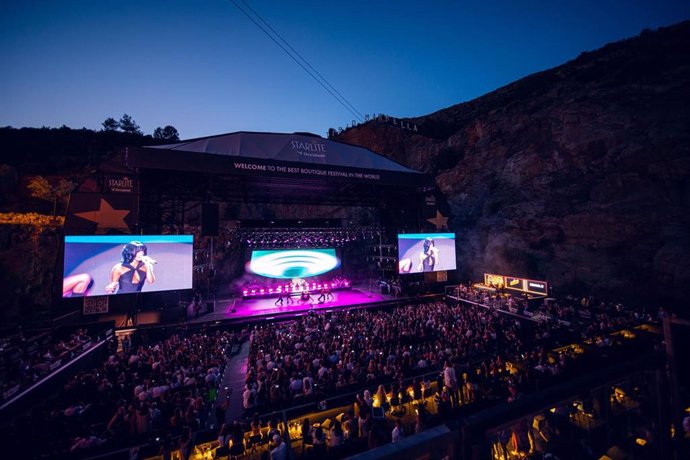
(298, 156)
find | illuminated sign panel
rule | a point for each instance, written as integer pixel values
(538, 287)
(494, 280)
(517, 284)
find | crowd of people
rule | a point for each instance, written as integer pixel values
(460, 351)
(590, 316)
(26, 360)
(320, 355)
(166, 388)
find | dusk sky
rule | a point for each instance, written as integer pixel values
(205, 68)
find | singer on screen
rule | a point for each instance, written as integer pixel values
(135, 269)
(428, 258)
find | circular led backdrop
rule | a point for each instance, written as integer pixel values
(294, 263)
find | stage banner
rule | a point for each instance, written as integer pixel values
(95, 305)
(270, 154)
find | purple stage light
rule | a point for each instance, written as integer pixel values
(267, 290)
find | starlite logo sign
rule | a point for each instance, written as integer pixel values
(120, 184)
(309, 149)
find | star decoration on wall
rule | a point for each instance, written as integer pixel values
(106, 217)
(440, 222)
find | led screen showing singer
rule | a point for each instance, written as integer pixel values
(426, 252)
(119, 264)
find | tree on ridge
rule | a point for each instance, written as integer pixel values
(168, 134)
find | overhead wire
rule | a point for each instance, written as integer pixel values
(303, 60)
(308, 68)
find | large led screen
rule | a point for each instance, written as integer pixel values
(119, 264)
(426, 252)
(293, 263)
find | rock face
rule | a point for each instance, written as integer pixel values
(27, 252)
(578, 175)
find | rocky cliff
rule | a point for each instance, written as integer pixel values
(578, 175)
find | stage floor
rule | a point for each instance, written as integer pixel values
(247, 308)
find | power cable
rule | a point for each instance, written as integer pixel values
(332, 92)
(304, 60)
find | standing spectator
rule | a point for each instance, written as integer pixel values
(352, 425)
(451, 382)
(419, 425)
(221, 410)
(143, 418)
(279, 451)
(126, 343)
(224, 436)
(186, 444)
(306, 434)
(319, 440)
(337, 437)
(397, 435)
(237, 438)
(248, 397)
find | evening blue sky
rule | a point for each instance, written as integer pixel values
(203, 67)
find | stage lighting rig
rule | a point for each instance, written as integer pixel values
(302, 237)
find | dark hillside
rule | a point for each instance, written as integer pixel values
(579, 174)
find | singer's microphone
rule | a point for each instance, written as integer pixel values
(149, 260)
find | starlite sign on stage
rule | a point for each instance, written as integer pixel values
(309, 149)
(120, 184)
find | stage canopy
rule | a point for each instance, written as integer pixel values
(296, 156)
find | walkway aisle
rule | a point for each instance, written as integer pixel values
(233, 379)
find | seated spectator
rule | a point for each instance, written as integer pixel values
(86, 442)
